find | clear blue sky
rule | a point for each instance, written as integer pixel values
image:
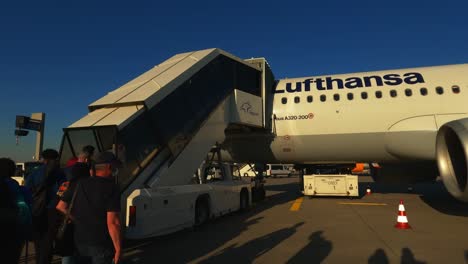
(57, 57)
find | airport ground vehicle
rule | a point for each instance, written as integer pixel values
(271, 170)
(216, 189)
(331, 185)
(275, 170)
(23, 169)
(361, 169)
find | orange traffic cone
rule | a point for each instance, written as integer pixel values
(402, 220)
(368, 190)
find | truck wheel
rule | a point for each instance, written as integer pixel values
(262, 194)
(254, 194)
(244, 200)
(202, 212)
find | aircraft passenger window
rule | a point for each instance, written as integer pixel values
(408, 92)
(393, 93)
(310, 99)
(350, 96)
(423, 91)
(284, 100)
(364, 95)
(297, 99)
(455, 89)
(439, 90)
(378, 94)
(336, 97)
(323, 98)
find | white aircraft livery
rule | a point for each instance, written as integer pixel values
(367, 117)
(407, 120)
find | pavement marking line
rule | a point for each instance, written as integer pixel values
(372, 204)
(297, 204)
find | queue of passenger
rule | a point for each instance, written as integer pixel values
(82, 197)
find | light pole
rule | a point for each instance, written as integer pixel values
(36, 123)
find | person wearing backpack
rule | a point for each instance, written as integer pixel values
(15, 202)
(44, 183)
(77, 172)
(96, 213)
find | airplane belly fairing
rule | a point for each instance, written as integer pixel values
(331, 148)
(357, 147)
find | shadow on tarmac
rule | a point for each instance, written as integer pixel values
(213, 235)
(315, 252)
(253, 249)
(407, 257)
(379, 257)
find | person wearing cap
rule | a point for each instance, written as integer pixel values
(76, 171)
(95, 213)
(44, 183)
(86, 156)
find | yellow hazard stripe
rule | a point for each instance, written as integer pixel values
(297, 204)
(375, 204)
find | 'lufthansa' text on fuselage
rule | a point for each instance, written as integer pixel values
(330, 83)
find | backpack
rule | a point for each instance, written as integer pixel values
(40, 197)
(24, 215)
(21, 209)
(8, 209)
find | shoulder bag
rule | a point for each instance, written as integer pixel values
(64, 244)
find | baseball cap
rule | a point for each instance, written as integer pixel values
(88, 149)
(50, 154)
(107, 157)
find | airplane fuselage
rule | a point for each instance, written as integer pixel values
(371, 116)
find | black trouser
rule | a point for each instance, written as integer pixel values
(88, 254)
(43, 238)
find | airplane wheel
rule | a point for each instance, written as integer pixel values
(244, 201)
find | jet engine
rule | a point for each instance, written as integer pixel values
(404, 173)
(451, 153)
